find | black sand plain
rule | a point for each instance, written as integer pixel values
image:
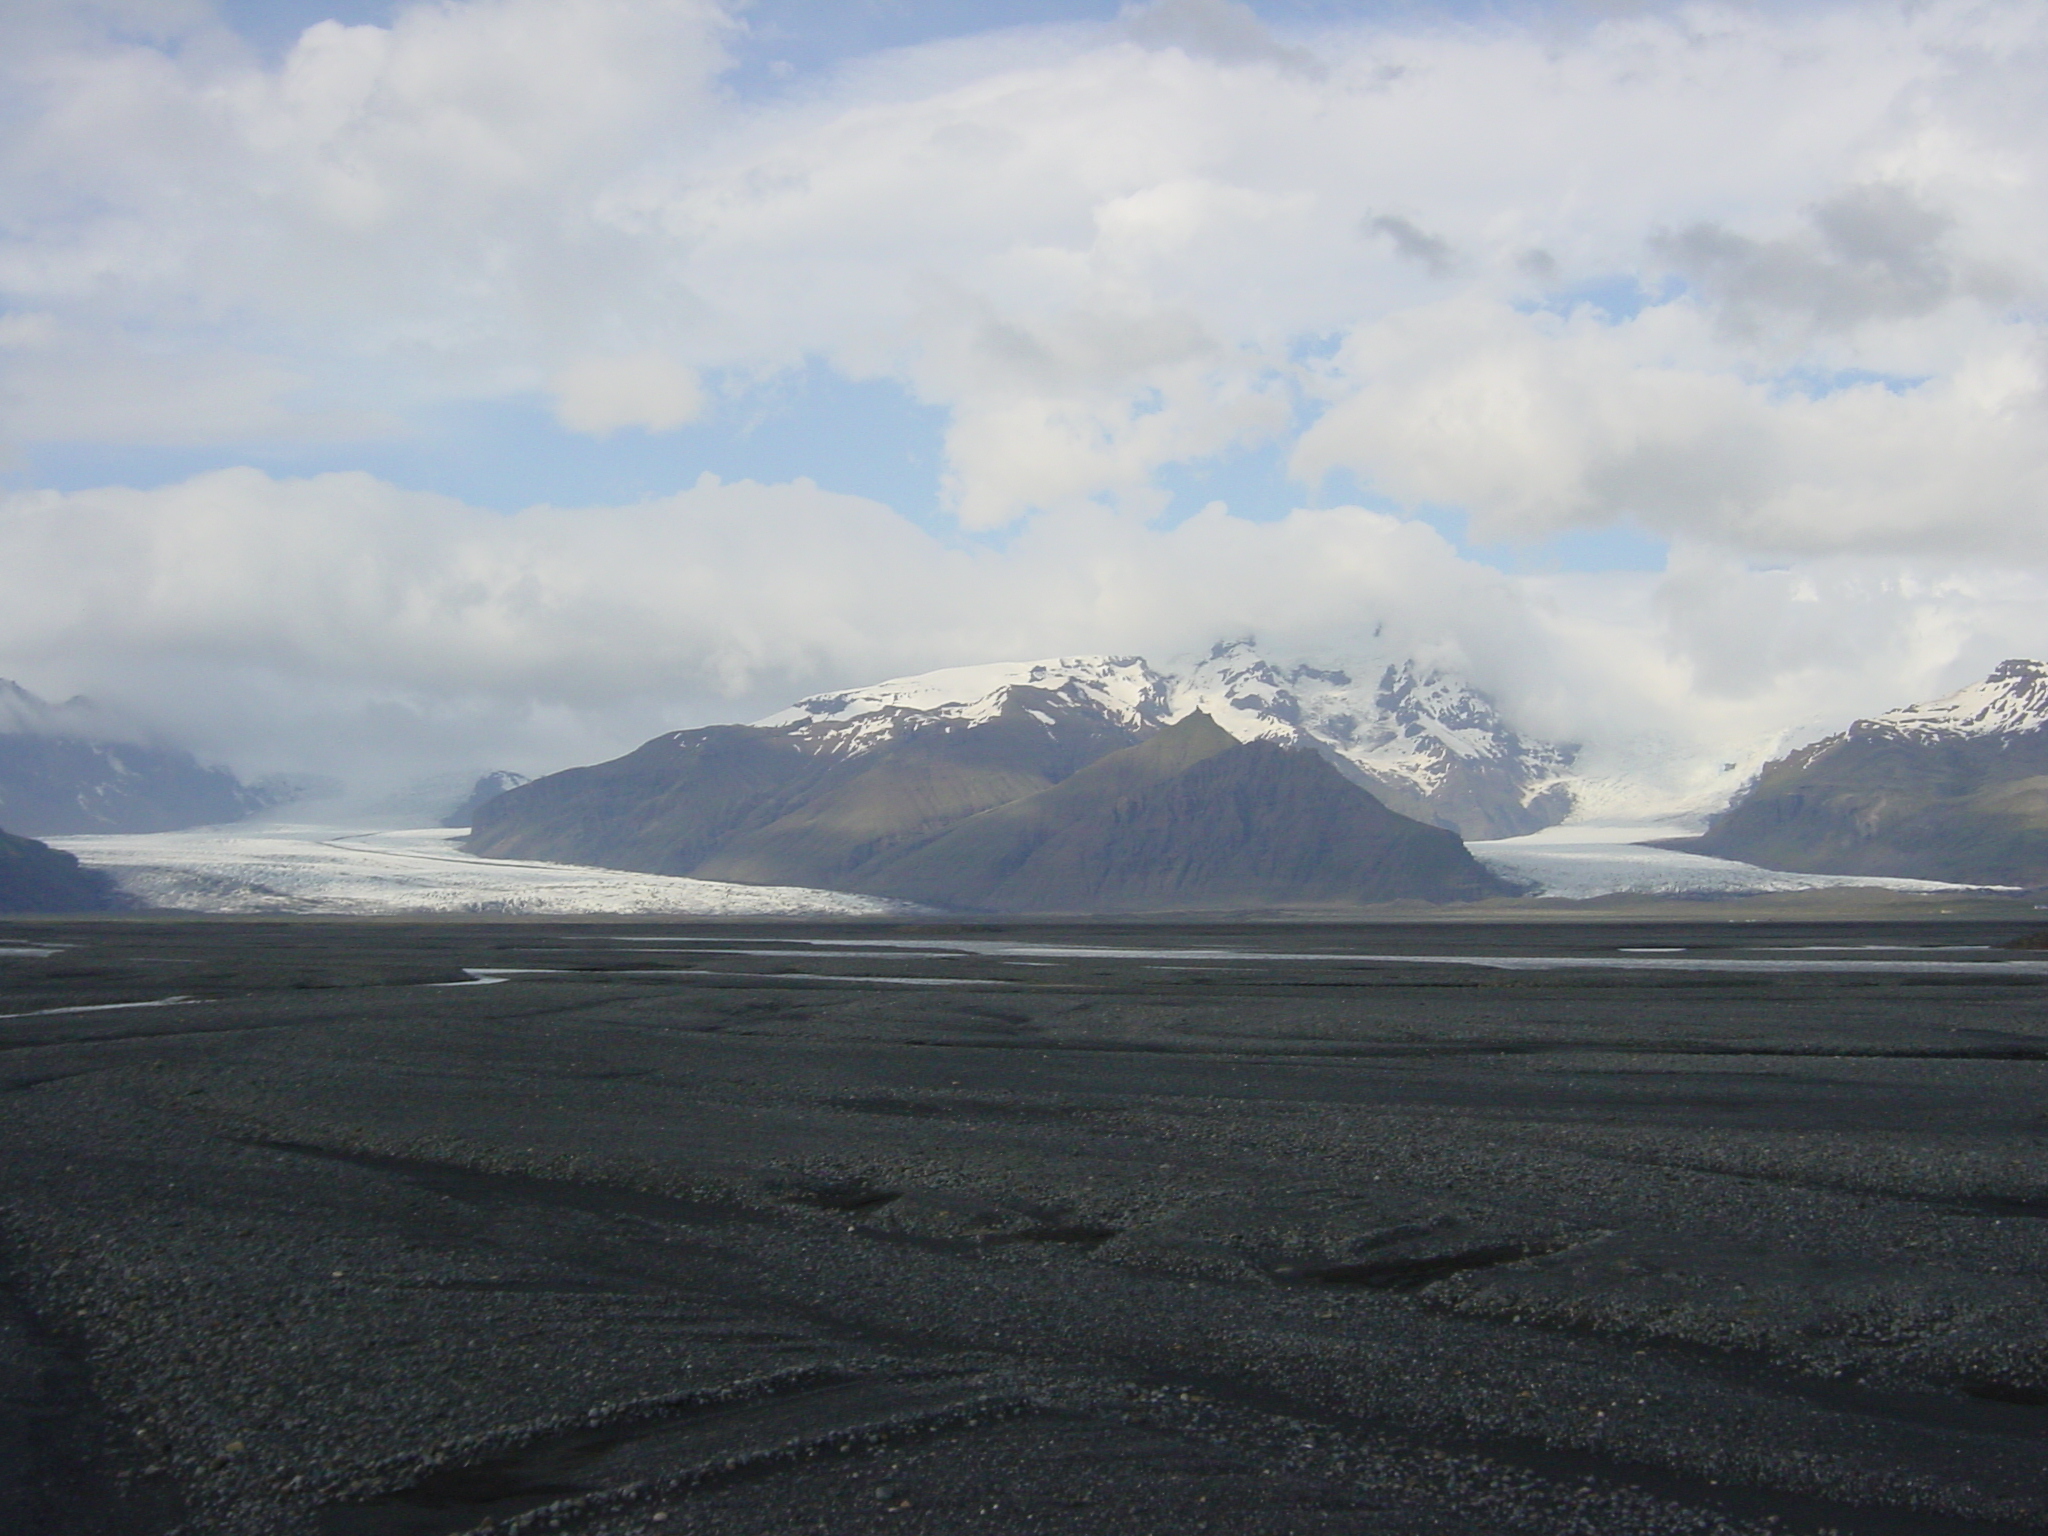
(739, 1228)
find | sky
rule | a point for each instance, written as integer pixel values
(388, 387)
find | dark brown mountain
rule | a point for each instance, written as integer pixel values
(34, 877)
(1191, 820)
(1041, 807)
(791, 805)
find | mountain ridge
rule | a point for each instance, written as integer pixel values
(1954, 788)
(1189, 819)
(1421, 741)
(876, 790)
(67, 769)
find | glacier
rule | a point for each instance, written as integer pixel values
(308, 868)
(305, 868)
(1579, 863)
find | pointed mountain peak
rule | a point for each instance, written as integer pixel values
(1424, 740)
(1193, 738)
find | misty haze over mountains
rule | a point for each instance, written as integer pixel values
(994, 787)
(75, 768)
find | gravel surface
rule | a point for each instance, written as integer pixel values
(394, 1228)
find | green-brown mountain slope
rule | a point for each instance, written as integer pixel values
(780, 806)
(1190, 820)
(1956, 789)
(1040, 807)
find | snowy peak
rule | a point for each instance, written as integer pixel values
(1395, 724)
(1946, 790)
(1426, 743)
(1121, 690)
(2012, 701)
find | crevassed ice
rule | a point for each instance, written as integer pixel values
(351, 871)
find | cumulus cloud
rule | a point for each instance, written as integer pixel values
(349, 624)
(1762, 281)
(1099, 250)
(1537, 423)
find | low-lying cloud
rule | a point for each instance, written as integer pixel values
(351, 625)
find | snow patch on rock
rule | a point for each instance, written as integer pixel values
(2012, 701)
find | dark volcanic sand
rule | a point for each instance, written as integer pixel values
(728, 1232)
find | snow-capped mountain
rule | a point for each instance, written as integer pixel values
(1122, 690)
(1427, 744)
(1952, 789)
(2012, 701)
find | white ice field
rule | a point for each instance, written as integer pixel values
(1578, 863)
(268, 867)
(287, 867)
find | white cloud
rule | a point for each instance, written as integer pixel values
(1538, 423)
(349, 625)
(1763, 281)
(1101, 250)
(599, 395)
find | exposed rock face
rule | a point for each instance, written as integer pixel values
(1425, 744)
(59, 778)
(1955, 789)
(1192, 819)
(34, 877)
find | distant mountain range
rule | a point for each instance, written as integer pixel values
(64, 770)
(1425, 743)
(1955, 789)
(1083, 784)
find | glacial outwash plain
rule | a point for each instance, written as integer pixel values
(329, 1226)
